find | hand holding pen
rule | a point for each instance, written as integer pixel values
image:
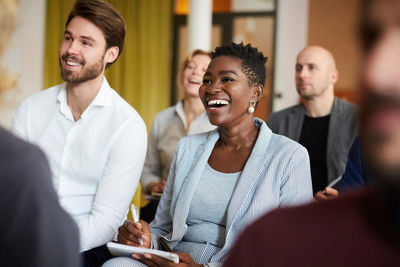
(135, 233)
(329, 192)
(135, 215)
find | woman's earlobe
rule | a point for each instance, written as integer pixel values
(258, 92)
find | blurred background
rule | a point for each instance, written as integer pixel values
(158, 39)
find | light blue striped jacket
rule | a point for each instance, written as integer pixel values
(276, 174)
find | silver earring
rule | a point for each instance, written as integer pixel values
(252, 106)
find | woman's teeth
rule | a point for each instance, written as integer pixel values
(217, 102)
(195, 81)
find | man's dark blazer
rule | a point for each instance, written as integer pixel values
(343, 128)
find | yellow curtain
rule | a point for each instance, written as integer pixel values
(141, 74)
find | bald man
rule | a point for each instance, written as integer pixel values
(322, 123)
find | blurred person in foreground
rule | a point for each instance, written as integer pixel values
(35, 230)
(187, 117)
(361, 228)
(223, 180)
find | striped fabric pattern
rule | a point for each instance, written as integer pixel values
(276, 174)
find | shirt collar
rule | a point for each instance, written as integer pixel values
(181, 114)
(62, 99)
(103, 98)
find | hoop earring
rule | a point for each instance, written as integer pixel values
(252, 106)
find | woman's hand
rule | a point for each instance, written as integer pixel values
(328, 193)
(185, 260)
(155, 187)
(130, 232)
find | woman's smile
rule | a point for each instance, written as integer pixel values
(225, 91)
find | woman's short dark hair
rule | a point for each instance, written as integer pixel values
(104, 16)
(253, 61)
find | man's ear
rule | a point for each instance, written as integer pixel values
(111, 54)
(334, 76)
(258, 92)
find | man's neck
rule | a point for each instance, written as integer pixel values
(319, 106)
(80, 95)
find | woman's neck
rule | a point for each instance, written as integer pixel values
(241, 136)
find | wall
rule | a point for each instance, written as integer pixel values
(24, 57)
(251, 5)
(333, 24)
(292, 26)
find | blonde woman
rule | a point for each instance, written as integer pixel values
(187, 117)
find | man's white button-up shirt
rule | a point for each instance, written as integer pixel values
(96, 161)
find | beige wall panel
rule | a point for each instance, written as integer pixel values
(333, 24)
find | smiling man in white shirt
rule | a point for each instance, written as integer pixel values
(95, 141)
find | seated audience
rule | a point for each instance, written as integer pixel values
(35, 230)
(223, 180)
(187, 117)
(323, 123)
(360, 228)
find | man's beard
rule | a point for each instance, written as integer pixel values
(86, 74)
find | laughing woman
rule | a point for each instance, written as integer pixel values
(222, 181)
(187, 117)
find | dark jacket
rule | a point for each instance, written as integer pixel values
(35, 230)
(343, 128)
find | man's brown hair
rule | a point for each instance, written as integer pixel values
(104, 16)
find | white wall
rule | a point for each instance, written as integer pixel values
(24, 57)
(292, 25)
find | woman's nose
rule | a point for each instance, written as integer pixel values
(198, 71)
(214, 88)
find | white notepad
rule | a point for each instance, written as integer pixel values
(117, 249)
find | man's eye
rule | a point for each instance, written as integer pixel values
(206, 81)
(298, 69)
(85, 43)
(67, 38)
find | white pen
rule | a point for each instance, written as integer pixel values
(135, 215)
(334, 182)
